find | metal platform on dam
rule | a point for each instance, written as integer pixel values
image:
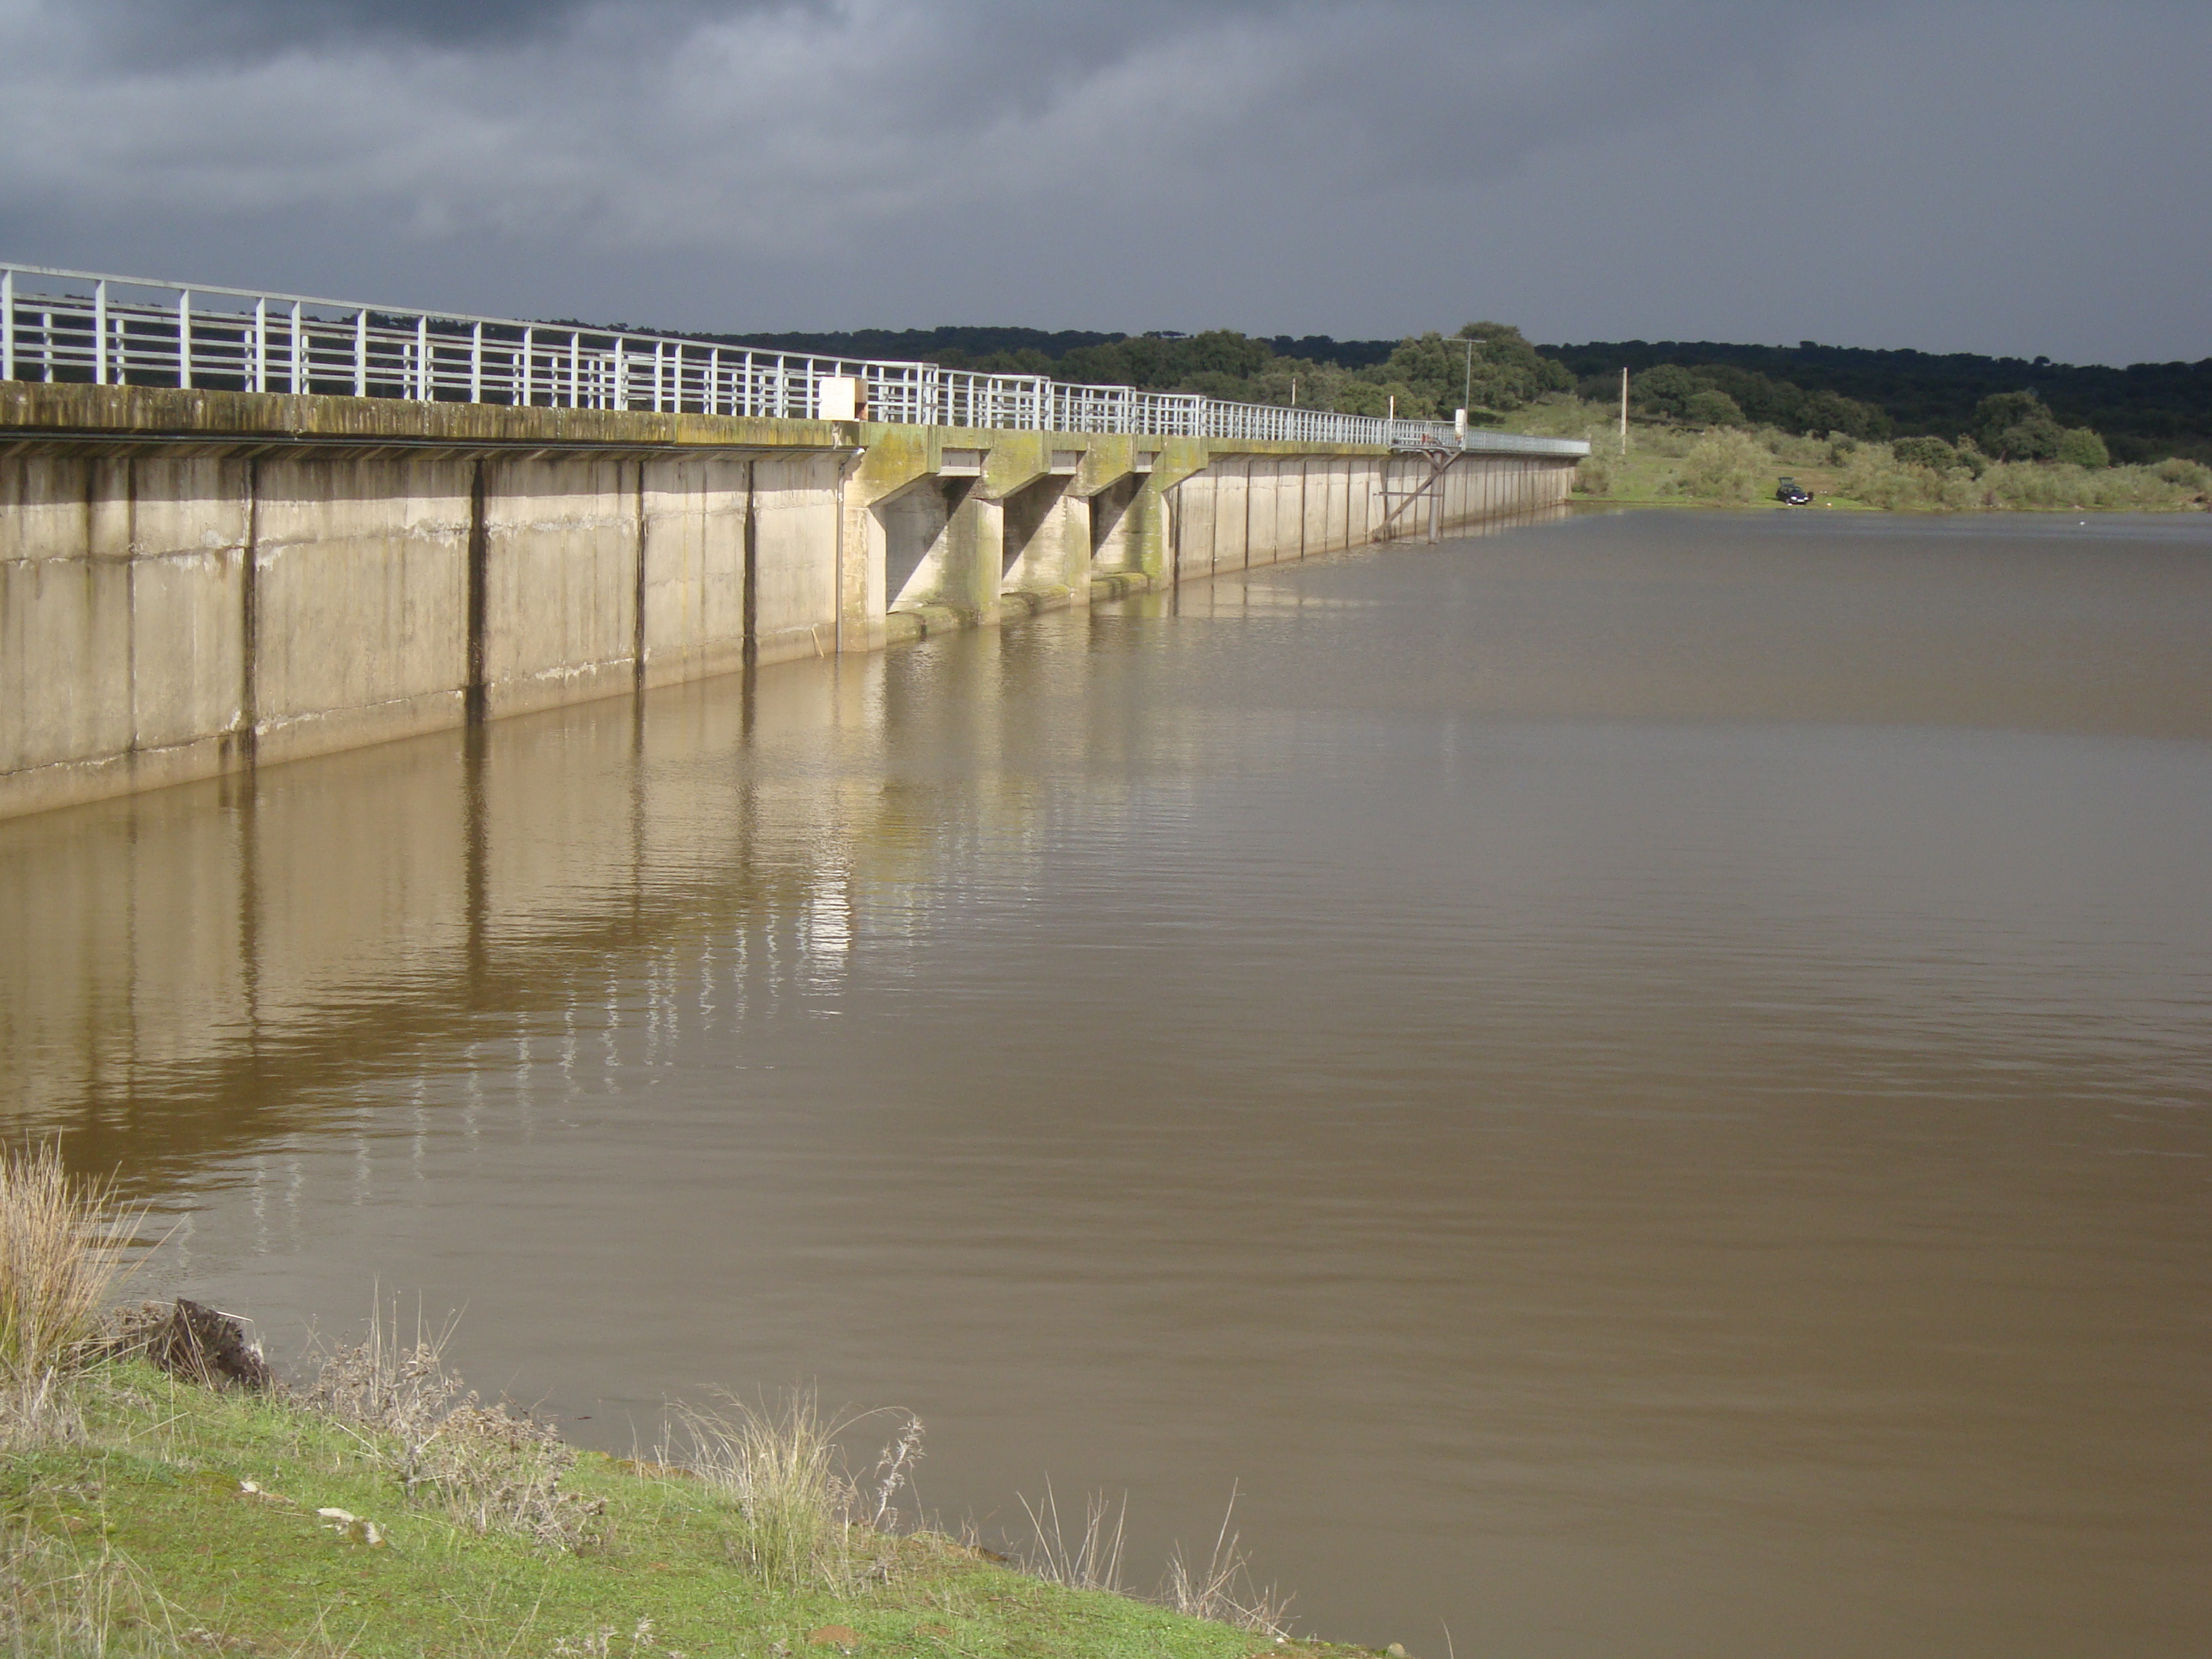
(240, 528)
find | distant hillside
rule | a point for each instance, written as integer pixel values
(2145, 411)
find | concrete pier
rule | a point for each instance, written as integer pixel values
(193, 582)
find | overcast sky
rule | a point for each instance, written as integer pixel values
(2015, 179)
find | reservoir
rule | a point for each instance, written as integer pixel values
(1635, 1084)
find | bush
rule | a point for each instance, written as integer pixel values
(1931, 453)
(489, 1467)
(1724, 465)
(1712, 408)
(1663, 389)
(1873, 476)
(2079, 446)
(1595, 472)
(1832, 412)
(2014, 426)
(1796, 448)
(2189, 475)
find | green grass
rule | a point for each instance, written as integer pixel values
(1852, 478)
(139, 1534)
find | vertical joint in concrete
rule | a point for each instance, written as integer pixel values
(637, 594)
(479, 562)
(249, 587)
(749, 601)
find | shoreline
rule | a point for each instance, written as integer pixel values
(376, 1513)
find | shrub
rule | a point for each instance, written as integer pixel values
(2189, 475)
(489, 1467)
(1594, 473)
(1931, 452)
(2014, 426)
(2134, 486)
(1796, 448)
(1712, 408)
(1664, 389)
(1724, 465)
(1874, 476)
(2079, 446)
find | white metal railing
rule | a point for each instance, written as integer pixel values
(85, 326)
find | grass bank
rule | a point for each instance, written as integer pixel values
(1671, 464)
(181, 1519)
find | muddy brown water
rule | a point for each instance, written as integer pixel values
(1639, 1084)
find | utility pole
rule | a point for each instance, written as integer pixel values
(1623, 413)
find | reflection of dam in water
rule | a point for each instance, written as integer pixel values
(239, 942)
(221, 957)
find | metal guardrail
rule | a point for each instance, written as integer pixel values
(88, 327)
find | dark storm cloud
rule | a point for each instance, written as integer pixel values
(268, 27)
(1993, 177)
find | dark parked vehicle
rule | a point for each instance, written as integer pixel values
(1792, 493)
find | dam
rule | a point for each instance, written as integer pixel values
(238, 528)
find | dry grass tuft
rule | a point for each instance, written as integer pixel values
(59, 1258)
(1092, 1561)
(782, 1468)
(488, 1468)
(1223, 1590)
(807, 1523)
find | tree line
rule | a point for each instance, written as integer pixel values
(2144, 412)
(2140, 414)
(1488, 367)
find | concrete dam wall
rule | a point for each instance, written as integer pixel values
(195, 582)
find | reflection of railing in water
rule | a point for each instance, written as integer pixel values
(117, 332)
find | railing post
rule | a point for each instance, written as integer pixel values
(184, 338)
(361, 353)
(100, 333)
(621, 380)
(475, 363)
(259, 372)
(424, 391)
(299, 323)
(575, 370)
(7, 325)
(529, 367)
